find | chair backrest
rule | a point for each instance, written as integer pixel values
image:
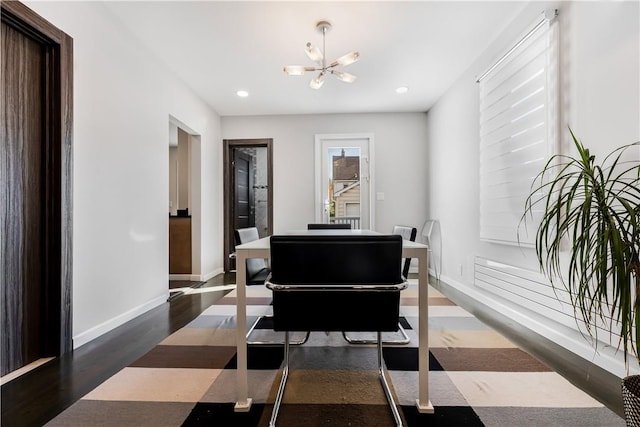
(346, 226)
(336, 283)
(336, 259)
(246, 235)
(407, 233)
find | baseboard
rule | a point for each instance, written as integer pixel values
(187, 277)
(606, 357)
(212, 274)
(109, 325)
(196, 277)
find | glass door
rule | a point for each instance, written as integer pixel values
(343, 180)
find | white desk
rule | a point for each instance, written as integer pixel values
(261, 249)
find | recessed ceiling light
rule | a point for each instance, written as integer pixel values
(402, 89)
(242, 93)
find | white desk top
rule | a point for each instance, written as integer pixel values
(264, 242)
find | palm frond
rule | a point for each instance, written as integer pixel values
(595, 208)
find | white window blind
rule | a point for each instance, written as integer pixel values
(518, 130)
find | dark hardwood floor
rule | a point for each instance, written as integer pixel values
(39, 395)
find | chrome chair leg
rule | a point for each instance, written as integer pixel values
(383, 380)
(385, 385)
(404, 340)
(283, 382)
(299, 342)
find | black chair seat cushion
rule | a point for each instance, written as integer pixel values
(259, 277)
(336, 310)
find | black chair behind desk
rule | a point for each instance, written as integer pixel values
(257, 269)
(336, 283)
(346, 226)
(407, 233)
(257, 273)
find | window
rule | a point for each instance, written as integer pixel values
(518, 131)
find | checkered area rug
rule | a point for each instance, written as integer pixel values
(477, 377)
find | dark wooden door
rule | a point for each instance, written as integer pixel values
(244, 205)
(35, 189)
(22, 169)
(243, 201)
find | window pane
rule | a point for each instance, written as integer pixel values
(344, 185)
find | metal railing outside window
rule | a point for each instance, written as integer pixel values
(353, 220)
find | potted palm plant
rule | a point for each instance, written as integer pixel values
(588, 242)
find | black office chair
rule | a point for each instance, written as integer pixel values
(257, 269)
(346, 226)
(407, 233)
(317, 281)
(257, 273)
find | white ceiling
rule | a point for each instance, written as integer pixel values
(218, 48)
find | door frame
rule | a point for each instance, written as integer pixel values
(58, 173)
(228, 191)
(318, 190)
(195, 201)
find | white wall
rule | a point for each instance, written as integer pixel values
(123, 100)
(184, 170)
(173, 180)
(600, 51)
(400, 151)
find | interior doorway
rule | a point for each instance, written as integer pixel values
(248, 190)
(184, 207)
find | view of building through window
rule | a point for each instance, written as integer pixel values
(344, 186)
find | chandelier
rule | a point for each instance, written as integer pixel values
(318, 56)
